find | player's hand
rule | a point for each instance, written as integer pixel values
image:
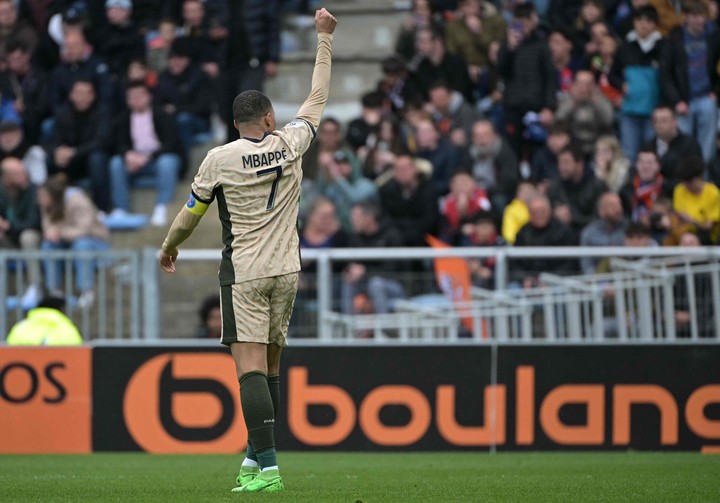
(324, 21)
(167, 259)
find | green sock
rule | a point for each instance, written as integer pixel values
(267, 458)
(259, 415)
(274, 386)
(250, 452)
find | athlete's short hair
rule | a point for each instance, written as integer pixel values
(249, 106)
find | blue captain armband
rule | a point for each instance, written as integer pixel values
(195, 206)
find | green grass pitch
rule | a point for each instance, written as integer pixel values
(369, 478)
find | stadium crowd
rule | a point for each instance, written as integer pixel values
(568, 122)
(99, 96)
(573, 122)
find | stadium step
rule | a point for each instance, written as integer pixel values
(365, 34)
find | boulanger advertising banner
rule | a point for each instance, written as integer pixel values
(45, 400)
(418, 398)
(172, 400)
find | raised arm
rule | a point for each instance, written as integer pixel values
(314, 105)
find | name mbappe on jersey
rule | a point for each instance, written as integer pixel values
(264, 159)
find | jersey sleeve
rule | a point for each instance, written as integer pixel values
(203, 187)
(298, 135)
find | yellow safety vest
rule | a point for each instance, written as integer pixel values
(44, 327)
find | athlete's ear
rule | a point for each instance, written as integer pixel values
(268, 121)
(235, 123)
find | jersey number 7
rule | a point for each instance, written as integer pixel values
(273, 190)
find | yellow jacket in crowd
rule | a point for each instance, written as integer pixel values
(44, 326)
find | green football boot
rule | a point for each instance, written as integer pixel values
(247, 474)
(267, 481)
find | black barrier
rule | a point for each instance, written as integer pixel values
(417, 398)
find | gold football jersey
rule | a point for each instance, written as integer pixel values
(257, 187)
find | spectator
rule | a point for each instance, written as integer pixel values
(442, 154)
(665, 224)
(670, 144)
(14, 29)
(703, 309)
(635, 71)
(576, 192)
(526, 66)
(184, 90)
(70, 222)
(697, 202)
(73, 18)
(420, 16)
(638, 235)
(608, 229)
(387, 144)
(489, 90)
(80, 137)
(516, 214)
(563, 12)
(373, 280)
(147, 147)
(479, 230)
(690, 82)
(470, 34)
(321, 230)
(543, 230)
(206, 34)
(45, 325)
(596, 33)
(210, 318)
(586, 112)
(462, 203)
(139, 71)
(564, 60)
(79, 63)
(397, 86)
(342, 182)
(158, 47)
(362, 131)
(28, 88)
(601, 64)
(20, 220)
(212, 9)
(263, 26)
(453, 116)
(36, 13)
(493, 165)
(13, 143)
(412, 116)
(609, 164)
(435, 63)
(544, 163)
(253, 49)
(120, 41)
(645, 187)
(329, 140)
(591, 15)
(410, 202)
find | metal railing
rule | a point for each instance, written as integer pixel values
(670, 293)
(109, 308)
(564, 309)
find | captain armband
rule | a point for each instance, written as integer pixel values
(195, 206)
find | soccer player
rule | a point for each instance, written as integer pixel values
(256, 181)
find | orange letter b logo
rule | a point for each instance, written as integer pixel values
(185, 402)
